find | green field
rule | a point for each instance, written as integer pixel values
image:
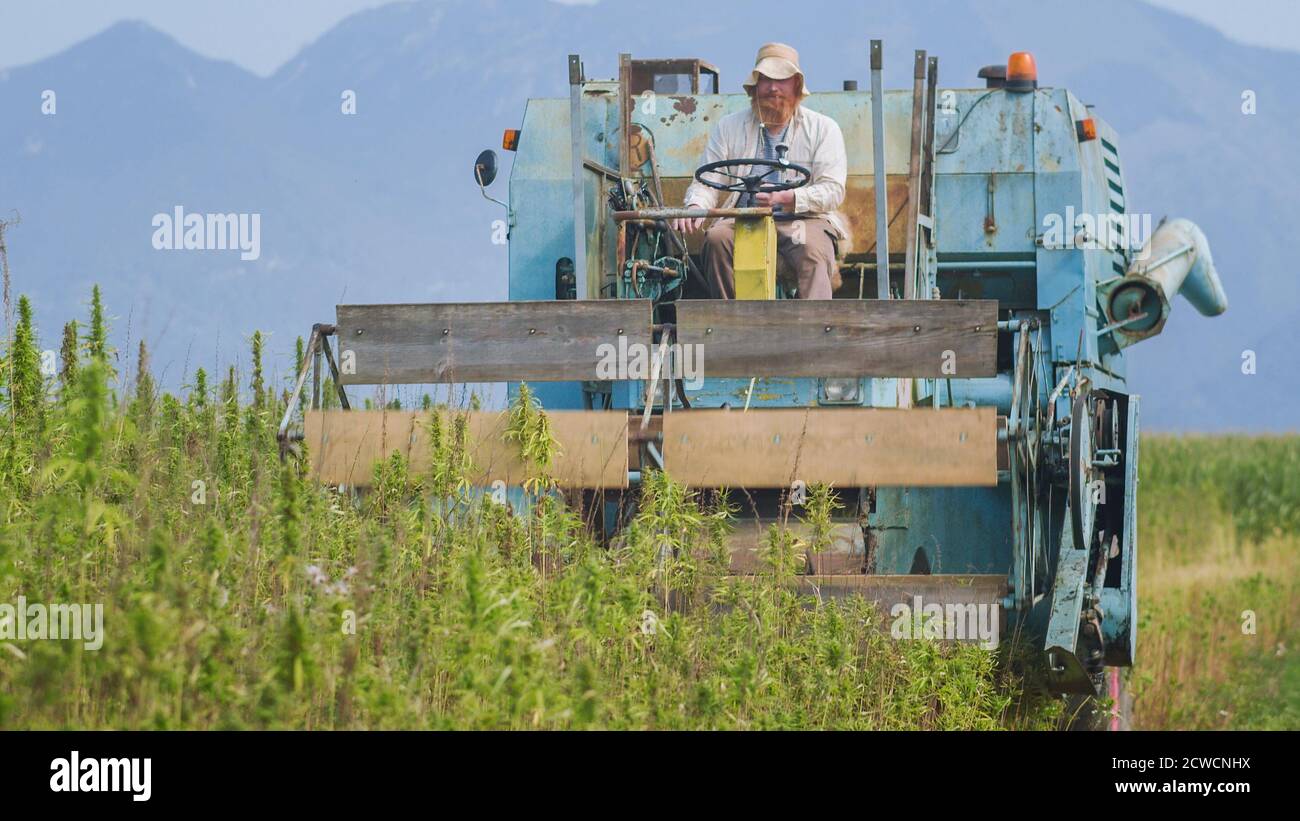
(238, 594)
(1219, 535)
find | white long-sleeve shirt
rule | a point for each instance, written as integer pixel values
(815, 142)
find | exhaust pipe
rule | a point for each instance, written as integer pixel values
(1175, 259)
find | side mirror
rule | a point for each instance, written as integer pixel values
(485, 168)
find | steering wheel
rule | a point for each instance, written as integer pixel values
(754, 183)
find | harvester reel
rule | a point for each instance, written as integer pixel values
(1025, 420)
(1083, 473)
(1028, 410)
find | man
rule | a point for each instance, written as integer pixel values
(809, 244)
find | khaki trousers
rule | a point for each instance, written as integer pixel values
(807, 252)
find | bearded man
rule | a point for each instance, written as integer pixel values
(809, 245)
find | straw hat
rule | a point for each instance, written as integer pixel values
(778, 61)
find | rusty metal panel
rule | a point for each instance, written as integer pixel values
(842, 338)
(859, 208)
(845, 447)
(539, 341)
(343, 446)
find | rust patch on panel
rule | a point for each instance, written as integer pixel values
(859, 208)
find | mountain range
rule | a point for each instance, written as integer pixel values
(379, 206)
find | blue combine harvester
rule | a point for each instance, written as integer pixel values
(965, 392)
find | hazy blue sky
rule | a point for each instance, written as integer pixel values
(32, 29)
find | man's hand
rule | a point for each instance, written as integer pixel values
(785, 199)
(688, 225)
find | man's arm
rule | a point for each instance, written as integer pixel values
(699, 195)
(830, 168)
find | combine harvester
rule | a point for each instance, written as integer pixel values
(964, 392)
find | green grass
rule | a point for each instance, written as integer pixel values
(1266, 696)
(269, 601)
(1218, 536)
(239, 594)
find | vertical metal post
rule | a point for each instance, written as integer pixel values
(579, 183)
(925, 214)
(624, 161)
(315, 354)
(914, 175)
(878, 161)
(927, 155)
(624, 114)
(671, 364)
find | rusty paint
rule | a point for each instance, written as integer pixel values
(685, 156)
(620, 252)
(686, 105)
(675, 189)
(638, 147)
(859, 208)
